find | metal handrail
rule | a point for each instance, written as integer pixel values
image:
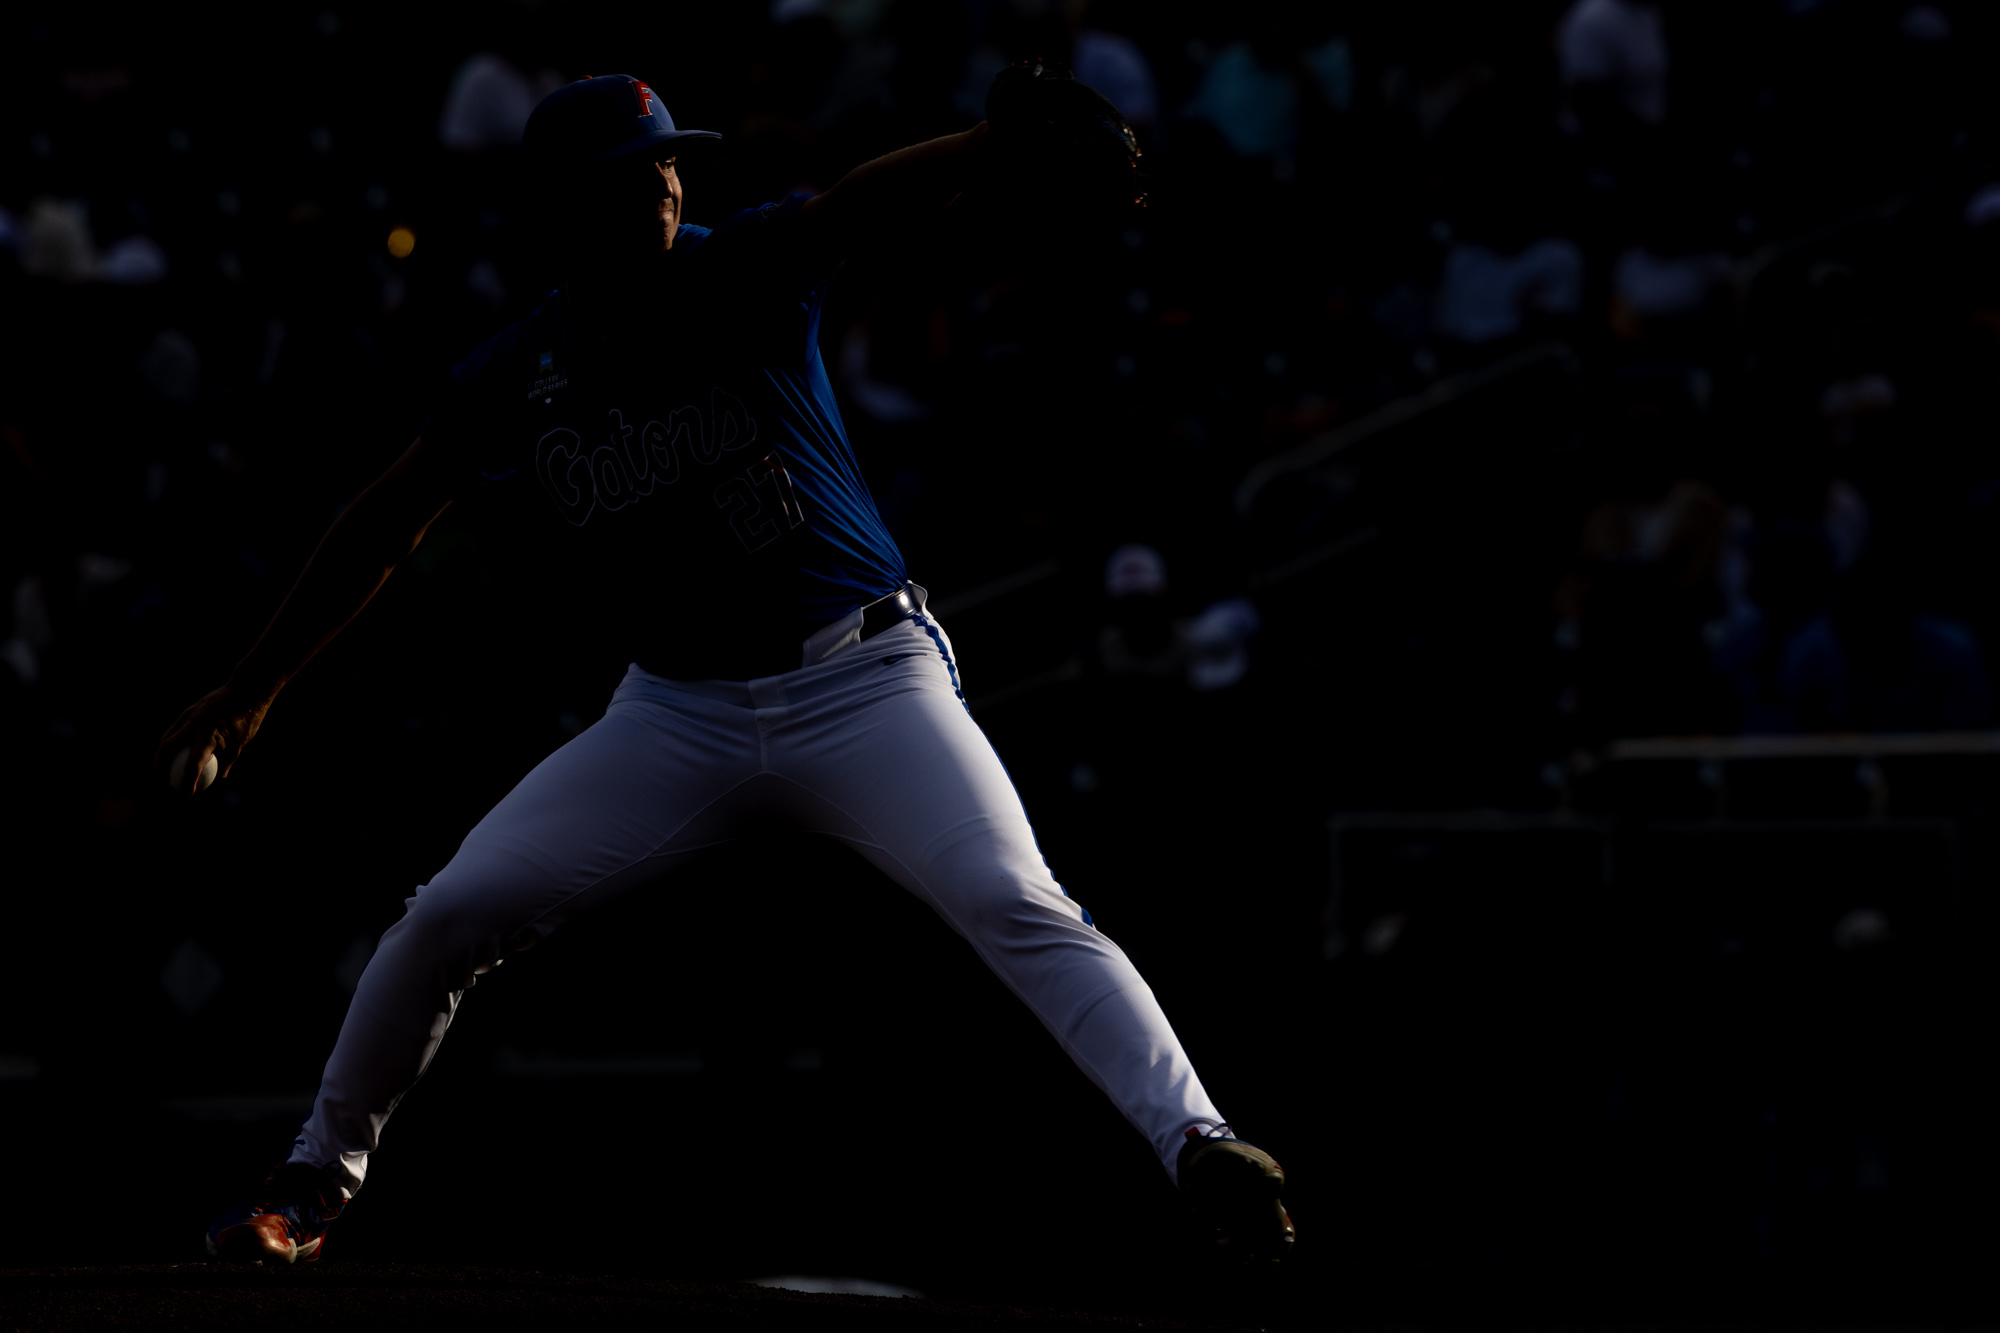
(1446, 391)
(1844, 745)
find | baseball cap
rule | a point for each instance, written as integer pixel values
(594, 119)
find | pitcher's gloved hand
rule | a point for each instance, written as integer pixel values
(1234, 1189)
(1048, 132)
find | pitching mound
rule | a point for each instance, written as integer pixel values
(397, 1296)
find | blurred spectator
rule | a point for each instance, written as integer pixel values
(1656, 296)
(1678, 530)
(1139, 638)
(879, 398)
(1331, 65)
(1116, 67)
(1218, 644)
(900, 78)
(133, 261)
(129, 257)
(1511, 264)
(1846, 405)
(1484, 296)
(58, 242)
(1925, 23)
(33, 631)
(1673, 283)
(1613, 58)
(1206, 652)
(1983, 207)
(171, 367)
(1782, 581)
(489, 103)
(1846, 524)
(1419, 207)
(1254, 92)
(1644, 586)
(854, 18)
(1113, 64)
(1253, 106)
(1093, 39)
(1876, 663)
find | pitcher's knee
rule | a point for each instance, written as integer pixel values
(452, 934)
(1003, 905)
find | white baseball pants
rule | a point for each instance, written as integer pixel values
(870, 744)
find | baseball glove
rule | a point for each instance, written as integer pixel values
(1042, 122)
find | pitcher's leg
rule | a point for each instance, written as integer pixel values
(989, 883)
(616, 807)
(916, 788)
(478, 911)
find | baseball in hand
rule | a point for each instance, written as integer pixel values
(177, 775)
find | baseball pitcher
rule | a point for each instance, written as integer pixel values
(668, 409)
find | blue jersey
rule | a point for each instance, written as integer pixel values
(690, 437)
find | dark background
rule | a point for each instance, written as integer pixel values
(1478, 417)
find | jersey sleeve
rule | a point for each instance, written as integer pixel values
(467, 420)
(768, 247)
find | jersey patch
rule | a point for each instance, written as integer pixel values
(550, 379)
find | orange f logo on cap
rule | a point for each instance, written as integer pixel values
(645, 97)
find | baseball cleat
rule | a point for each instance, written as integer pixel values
(285, 1221)
(1234, 1190)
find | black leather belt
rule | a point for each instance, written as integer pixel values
(894, 609)
(747, 654)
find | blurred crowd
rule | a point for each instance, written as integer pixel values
(1606, 369)
(236, 264)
